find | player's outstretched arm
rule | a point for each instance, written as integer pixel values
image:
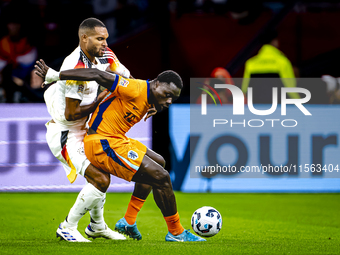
(103, 78)
(81, 74)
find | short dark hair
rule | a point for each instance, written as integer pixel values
(170, 76)
(91, 23)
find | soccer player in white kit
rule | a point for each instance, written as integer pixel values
(70, 103)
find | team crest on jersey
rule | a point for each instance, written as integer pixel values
(80, 88)
(81, 151)
(123, 82)
(132, 155)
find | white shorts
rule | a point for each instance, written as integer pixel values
(68, 147)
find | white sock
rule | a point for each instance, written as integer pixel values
(88, 198)
(97, 215)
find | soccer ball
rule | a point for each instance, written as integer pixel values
(206, 221)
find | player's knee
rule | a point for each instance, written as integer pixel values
(97, 178)
(160, 160)
(103, 181)
(157, 158)
(162, 178)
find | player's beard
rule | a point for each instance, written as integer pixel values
(96, 53)
(160, 107)
(154, 102)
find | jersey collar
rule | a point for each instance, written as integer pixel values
(86, 60)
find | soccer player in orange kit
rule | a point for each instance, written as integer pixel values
(108, 148)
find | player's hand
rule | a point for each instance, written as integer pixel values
(101, 96)
(42, 68)
(151, 112)
(48, 74)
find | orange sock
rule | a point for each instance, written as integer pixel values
(174, 225)
(134, 207)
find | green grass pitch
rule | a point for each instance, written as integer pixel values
(252, 224)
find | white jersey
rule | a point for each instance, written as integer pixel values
(65, 138)
(85, 91)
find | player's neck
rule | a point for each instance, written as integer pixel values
(92, 59)
(152, 87)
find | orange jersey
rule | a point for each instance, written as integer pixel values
(122, 108)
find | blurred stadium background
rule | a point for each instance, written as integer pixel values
(191, 37)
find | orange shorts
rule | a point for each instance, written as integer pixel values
(118, 155)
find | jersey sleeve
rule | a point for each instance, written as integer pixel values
(73, 89)
(115, 65)
(125, 88)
